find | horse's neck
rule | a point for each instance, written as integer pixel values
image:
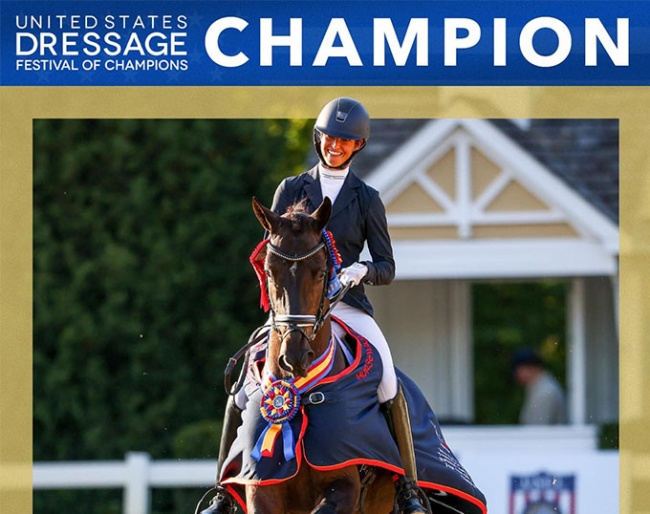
(324, 337)
(322, 340)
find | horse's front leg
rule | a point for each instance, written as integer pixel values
(265, 500)
(340, 496)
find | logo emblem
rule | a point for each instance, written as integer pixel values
(543, 493)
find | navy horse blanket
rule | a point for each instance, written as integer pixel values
(335, 422)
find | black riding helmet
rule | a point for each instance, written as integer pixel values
(345, 118)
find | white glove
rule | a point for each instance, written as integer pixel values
(353, 274)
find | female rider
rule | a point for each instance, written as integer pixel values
(358, 217)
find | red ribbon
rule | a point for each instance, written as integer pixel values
(257, 261)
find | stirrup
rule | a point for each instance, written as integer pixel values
(221, 503)
(410, 499)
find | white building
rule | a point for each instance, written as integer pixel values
(499, 200)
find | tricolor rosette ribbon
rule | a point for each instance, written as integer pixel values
(281, 402)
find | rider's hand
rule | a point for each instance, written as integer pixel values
(353, 274)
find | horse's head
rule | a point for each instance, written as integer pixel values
(297, 271)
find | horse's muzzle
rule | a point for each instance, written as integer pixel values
(297, 362)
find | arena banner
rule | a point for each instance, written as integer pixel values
(301, 43)
(550, 482)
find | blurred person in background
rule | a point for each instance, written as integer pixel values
(544, 402)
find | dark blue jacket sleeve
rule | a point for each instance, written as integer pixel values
(280, 201)
(381, 271)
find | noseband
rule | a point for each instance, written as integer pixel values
(299, 322)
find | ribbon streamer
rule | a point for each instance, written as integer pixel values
(281, 402)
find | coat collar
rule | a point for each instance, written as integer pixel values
(346, 195)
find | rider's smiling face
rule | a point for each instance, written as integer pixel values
(336, 151)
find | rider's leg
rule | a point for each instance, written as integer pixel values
(223, 502)
(397, 416)
(368, 328)
(392, 398)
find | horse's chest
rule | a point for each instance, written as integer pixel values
(308, 488)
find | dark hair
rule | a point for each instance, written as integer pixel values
(527, 356)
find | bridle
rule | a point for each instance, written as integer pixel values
(295, 322)
(300, 322)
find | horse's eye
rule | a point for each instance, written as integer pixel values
(322, 274)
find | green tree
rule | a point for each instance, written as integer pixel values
(142, 286)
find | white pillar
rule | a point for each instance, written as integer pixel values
(461, 351)
(577, 354)
(136, 484)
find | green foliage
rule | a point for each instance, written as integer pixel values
(509, 316)
(608, 436)
(142, 286)
(196, 440)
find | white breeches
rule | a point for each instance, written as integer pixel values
(366, 326)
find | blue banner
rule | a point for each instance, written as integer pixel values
(325, 43)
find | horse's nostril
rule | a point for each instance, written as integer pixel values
(307, 359)
(284, 364)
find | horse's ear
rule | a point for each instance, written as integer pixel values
(269, 220)
(322, 213)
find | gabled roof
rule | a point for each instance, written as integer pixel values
(584, 153)
(479, 198)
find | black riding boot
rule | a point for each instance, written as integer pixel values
(406, 489)
(223, 502)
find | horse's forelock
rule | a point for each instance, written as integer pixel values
(298, 216)
(301, 206)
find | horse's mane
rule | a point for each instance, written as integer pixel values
(299, 207)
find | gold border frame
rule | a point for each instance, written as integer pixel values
(20, 106)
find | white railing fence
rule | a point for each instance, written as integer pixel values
(478, 448)
(137, 474)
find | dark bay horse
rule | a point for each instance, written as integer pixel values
(297, 268)
(313, 438)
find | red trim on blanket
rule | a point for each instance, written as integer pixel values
(465, 496)
(395, 469)
(273, 481)
(356, 462)
(357, 358)
(239, 499)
